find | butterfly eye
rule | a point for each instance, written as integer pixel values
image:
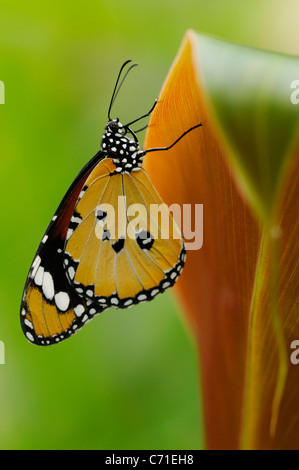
(112, 126)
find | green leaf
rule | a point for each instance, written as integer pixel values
(250, 93)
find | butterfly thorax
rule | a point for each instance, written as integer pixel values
(125, 151)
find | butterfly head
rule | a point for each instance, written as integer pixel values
(124, 149)
(115, 126)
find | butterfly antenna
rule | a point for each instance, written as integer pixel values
(115, 86)
(144, 116)
(157, 149)
(141, 129)
(116, 90)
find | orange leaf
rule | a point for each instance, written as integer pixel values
(226, 285)
(216, 295)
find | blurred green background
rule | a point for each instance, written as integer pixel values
(129, 379)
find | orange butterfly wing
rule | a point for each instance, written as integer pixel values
(51, 310)
(106, 258)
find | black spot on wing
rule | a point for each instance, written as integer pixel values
(144, 239)
(106, 235)
(118, 245)
(101, 214)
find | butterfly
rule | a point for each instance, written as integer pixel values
(94, 254)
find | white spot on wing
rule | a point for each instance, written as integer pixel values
(35, 265)
(36, 261)
(79, 309)
(142, 297)
(62, 301)
(71, 272)
(28, 323)
(69, 233)
(76, 220)
(165, 285)
(154, 292)
(48, 286)
(29, 336)
(38, 279)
